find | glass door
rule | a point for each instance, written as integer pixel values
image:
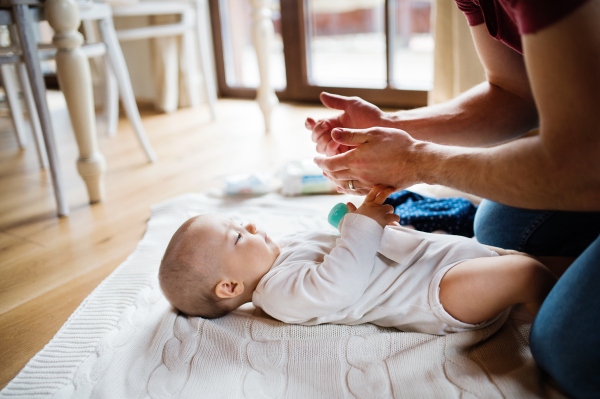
(380, 50)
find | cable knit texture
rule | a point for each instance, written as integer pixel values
(125, 340)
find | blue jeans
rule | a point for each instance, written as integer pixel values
(565, 336)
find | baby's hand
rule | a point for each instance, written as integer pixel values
(373, 207)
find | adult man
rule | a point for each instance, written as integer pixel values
(543, 70)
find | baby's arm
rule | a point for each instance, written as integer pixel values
(304, 289)
(479, 289)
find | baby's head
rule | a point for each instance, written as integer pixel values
(212, 265)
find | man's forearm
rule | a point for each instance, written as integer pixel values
(521, 174)
(483, 116)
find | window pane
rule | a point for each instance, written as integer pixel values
(241, 66)
(413, 44)
(346, 43)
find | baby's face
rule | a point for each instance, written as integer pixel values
(242, 251)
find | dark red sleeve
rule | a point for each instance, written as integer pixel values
(471, 11)
(534, 15)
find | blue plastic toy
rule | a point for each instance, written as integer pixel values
(336, 214)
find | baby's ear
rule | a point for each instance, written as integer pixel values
(229, 288)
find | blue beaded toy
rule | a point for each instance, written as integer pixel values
(336, 214)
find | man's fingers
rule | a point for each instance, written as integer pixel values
(309, 123)
(322, 143)
(334, 163)
(332, 148)
(334, 101)
(342, 175)
(324, 127)
(319, 129)
(351, 137)
(362, 191)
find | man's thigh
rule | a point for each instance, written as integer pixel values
(542, 233)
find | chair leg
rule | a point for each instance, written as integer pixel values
(188, 64)
(34, 120)
(29, 47)
(115, 56)
(33, 116)
(111, 95)
(210, 87)
(111, 99)
(12, 95)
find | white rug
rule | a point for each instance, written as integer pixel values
(125, 341)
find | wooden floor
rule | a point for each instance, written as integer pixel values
(49, 265)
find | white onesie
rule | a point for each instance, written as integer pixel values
(389, 277)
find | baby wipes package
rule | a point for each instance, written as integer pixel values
(304, 177)
(255, 183)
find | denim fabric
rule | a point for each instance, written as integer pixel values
(565, 336)
(542, 233)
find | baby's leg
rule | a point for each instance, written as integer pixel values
(479, 289)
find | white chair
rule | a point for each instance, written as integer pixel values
(117, 75)
(20, 17)
(25, 56)
(192, 29)
(11, 72)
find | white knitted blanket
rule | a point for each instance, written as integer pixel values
(125, 341)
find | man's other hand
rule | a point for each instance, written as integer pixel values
(379, 156)
(358, 114)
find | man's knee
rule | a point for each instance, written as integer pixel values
(575, 371)
(494, 225)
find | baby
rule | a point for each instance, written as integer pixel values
(374, 272)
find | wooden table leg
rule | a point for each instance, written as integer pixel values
(75, 81)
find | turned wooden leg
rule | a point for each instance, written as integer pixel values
(36, 127)
(24, 22)
(263, 39)
(202, 40)
(14, 104)
(75, 81)
(116, 59)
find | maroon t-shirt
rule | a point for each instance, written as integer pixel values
(507, 20)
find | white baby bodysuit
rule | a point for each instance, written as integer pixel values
(389, 277)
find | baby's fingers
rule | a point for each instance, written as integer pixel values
(351, 207)
(383, 194)
(392, 219)
(373, 193)
(388, 208)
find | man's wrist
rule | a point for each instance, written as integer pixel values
(427, 158)
(397, 120)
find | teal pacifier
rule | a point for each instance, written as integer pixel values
(336, 214)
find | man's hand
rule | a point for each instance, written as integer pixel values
(358, 114)
(383, 156)
(373, 207)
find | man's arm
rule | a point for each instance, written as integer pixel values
(559, 169)
(498, 110)
(495, 111)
